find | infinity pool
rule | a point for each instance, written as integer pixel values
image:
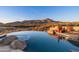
(42, 42)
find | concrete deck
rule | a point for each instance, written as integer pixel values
(8, 49)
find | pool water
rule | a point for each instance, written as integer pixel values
(43, 42)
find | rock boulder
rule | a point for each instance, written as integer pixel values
(18, 44)
(8, 39)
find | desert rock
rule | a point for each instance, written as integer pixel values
(7, 40)
(18, 44)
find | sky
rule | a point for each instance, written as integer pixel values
(20, 13)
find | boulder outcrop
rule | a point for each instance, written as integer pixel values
(8, 39)
(18, 44)
(13, 42)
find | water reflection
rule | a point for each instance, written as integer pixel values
(75, 43)
(42, 42)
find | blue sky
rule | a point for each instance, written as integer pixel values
(19, 13)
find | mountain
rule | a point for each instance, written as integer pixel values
(26, 22)
(1, 24)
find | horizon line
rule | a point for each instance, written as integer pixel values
(20, 20)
